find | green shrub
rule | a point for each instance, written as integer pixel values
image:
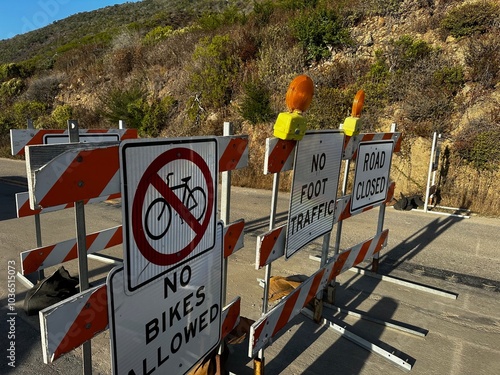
(426, 94)
(262, 11)
(157, 35)
(103, 39)
(329, 107)
(11, 88)
(229, 16)
(125, 104)
(214, 70)
(10, 71)
(255, 106)
(16, 70)
(471, 18)
(406, 51)
(279, 59)
(450, 79)
(478, 143)
(61, 114)
(156, 116)
(298, 4)
(318, 31)
(383, 7)
(379, 70)
(24, 110)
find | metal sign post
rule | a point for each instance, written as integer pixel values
(225, 206)
(380, 222)
(82, 251)
(433, 166)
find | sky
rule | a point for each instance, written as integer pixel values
(22, 16)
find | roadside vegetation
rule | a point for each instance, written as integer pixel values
(183, 68)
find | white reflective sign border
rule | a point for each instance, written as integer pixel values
(318, 158)
(167, 326)
(169, 191)
(371, 179)
(50, 139)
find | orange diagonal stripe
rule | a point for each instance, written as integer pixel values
(232, 154)
(268, 244)
(35, 259)
(86, 177)
(231, 237)
(92, 319)
(279, 155)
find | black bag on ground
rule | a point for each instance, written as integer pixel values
(54, 288)
(402, 204)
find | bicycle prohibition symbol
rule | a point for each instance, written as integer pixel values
(159, 212)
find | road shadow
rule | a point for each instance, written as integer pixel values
(9, 187)
(407, 249)
(344, 356)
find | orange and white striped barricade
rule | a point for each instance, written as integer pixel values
(268, 326)
(68, 324)
(51, 255)
(279, 155)
(233, 152)
(230, 316)
(62, 174)
(20, 138)
(310, 155)
(233, 237)
(23, 208)
(271, 245)
(65, 173)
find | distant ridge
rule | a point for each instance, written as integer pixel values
(83, 27)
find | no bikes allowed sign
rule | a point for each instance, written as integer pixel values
(169, 196)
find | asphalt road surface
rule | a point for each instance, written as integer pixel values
(458, 256)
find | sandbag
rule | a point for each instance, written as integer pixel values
(54, 288)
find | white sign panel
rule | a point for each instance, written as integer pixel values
(167, 326)
(169, 191)
(318, 158)
(371, 179)
(50, 139)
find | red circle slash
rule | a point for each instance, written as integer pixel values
(151, 177)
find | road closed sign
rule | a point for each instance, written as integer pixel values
(317, 163)
(371, 179)
(169, 192)
(167, 326)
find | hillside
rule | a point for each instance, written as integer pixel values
(102, 25)
(178, 68)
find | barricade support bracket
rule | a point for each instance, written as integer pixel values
(318, 310)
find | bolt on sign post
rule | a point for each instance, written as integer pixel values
(169, 189)
(318, 157)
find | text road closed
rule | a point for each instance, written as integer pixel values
(372, 174)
